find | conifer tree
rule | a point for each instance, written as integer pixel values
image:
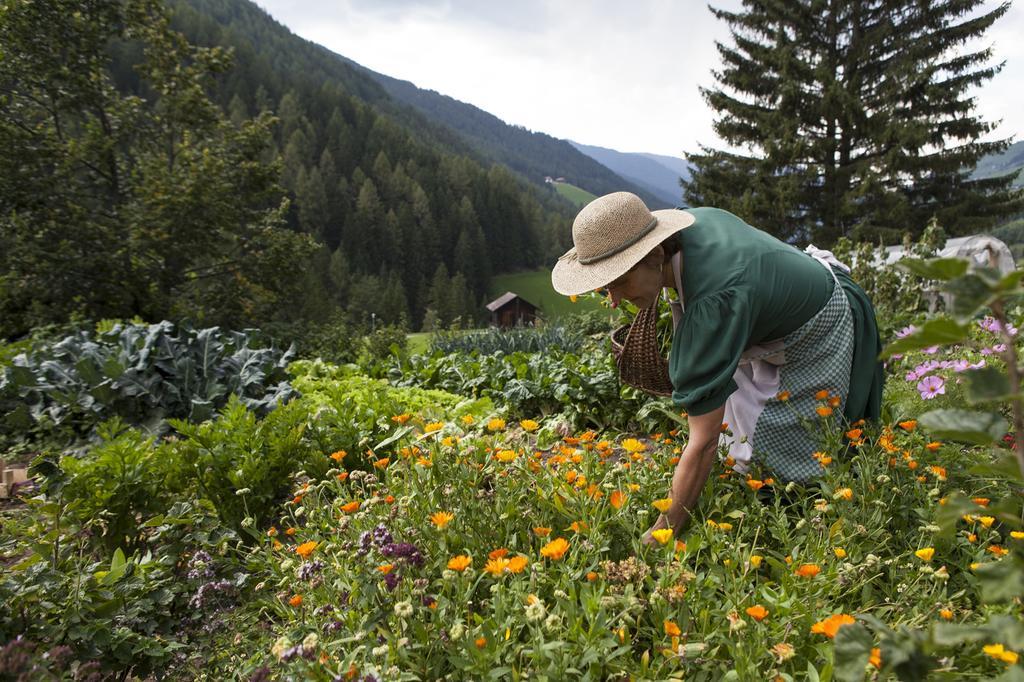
(852, 118)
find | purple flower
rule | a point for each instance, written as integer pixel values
(391, 580)
(906, 331)
(931, 386)
(960, 365)
(930, 350)
(403, 550)
(977, 365)
(310, 569)
(999, 348)
(200, 566)
(381, 536)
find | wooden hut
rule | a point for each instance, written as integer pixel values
(510, 310)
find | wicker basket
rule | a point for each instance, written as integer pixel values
(637, 354)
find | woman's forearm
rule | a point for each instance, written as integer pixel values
(689, 478)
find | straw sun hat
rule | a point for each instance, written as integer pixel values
(610, 235)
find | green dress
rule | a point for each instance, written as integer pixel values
(742, 290)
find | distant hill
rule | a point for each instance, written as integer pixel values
(533, 154)
(656, 173)
(1010, 161)
(576, 195)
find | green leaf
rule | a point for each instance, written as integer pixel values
(853, 648)
(943, 269)
(1003, 465)
(988, 384)
(970, 293)
(936, 332)
(980, 428)
(1001, 580)
(953, 634)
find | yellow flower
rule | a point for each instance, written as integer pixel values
(663, 505)
(505, 455)
(555, 549)
(460, 563)
(998, 651)
(843, 493)
(433, 426)
(987, 521)
(517, 563)
(529, 425)
(496, 566)
(467, 419)
(946, 614)
(572, 298)
(662, 536)
(441, 518)
(496, 424)
(839, 552)
(401, 418)
(632, 445)
(541, 531)
(338, 456)
(755, 560)
(925, 554)
(1017, 534)
(449, 441)
(306, 548)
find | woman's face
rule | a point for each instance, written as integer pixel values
(640, 286)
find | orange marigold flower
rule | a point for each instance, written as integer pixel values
(480, 642)
(633, 446)
(441, 518)
(830, 626)
(505, 456)
(496, 566)
(382, 462)
(783, 395)
(835, 401)
(808, 570)
(496, 424)
(757, 612)
(946, 614)
(998, 550)
(617, 499)
(386, 568)
(306, 548)
(432, 427)
(724, 427)
(591, 576)
(823, 411)
(272, 532)
(755, 484)
(342, 476)
(933, 446)
(908, 425)
(1000, 652)
(339, 455)
(980, 501)
(854, 434)
(517, 563)
(875, 659)
(555, 549)
(529, 425)
(289, 532)
(401, 418)
(541, 531)
(390, 499)
(844, 493)
(671, 629)
(498, 553)
(296, 600)
(821, 395)
(460, 563)
(940, 472)
(350, 507)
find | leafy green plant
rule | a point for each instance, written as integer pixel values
(142, 374)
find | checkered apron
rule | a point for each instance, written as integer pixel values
(783, 435)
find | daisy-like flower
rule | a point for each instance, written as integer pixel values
(467, 419)
(496, 424)
(843, 494)
(541, 531)
(839, 552)
(338, 455)
(931, 386)
(875, 659)
(441, 518)
(460, 563)
(350, 507)
(823, 410)
(987, 521)
(808, 570)
(663, 505)
(755, 560)
(946, 614)
(529, 425)
(830, 626)
(925, 554)
(401, 418)
(757, 612)
(505, 456)
(496, 566)
(1001, 653)
(296, 600)
(306, 548)
(672, 629)
(517, 564)
(782, 395)
(432, 427)
(908, 425)
(555, 549)
(632, 445)
(821, 395)
(617, 499)
(662, 535)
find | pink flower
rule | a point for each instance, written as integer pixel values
(931, 386)
(930, 350)
(906, 331)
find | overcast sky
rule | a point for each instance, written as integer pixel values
(612, 73)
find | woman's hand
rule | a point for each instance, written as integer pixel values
(648, 538)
